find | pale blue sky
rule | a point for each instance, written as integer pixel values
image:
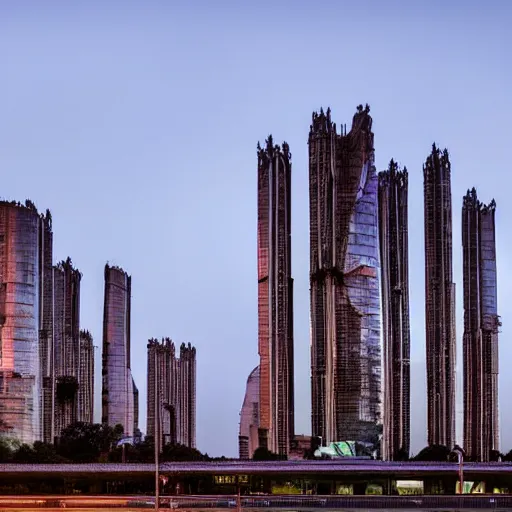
(136, 123)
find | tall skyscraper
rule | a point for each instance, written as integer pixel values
(249, 417)
(275, 297)
(46, 359)
(66, 344)
(23, 256)
(394, 259)
(174, 381)
(440, 299)
(344, 280)
(86, 378)
(481, 324)
(117, 389)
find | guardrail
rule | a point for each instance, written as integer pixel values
(295, 503)
(301, 502)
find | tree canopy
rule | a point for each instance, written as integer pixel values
(86, 442)
(264, 454)
(434, 453)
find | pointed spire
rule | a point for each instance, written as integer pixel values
(270, 144)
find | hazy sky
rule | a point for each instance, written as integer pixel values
(136, 123)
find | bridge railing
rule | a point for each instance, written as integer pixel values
(255, 503)
(297, 502)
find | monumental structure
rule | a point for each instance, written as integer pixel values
(481, 324)
(66, 344)
(171, 385)
(394, 257)
(25, 298)
(440, 299)
(275, 298)
(118, 389)
(344, 281)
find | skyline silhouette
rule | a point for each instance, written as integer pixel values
(137, 127)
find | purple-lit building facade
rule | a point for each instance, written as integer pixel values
(344, 281)
(275, 299)
(439, 299)
(118, 390)
(23, 266)
(172, 382)
(394, 258)
(481, 326)
(248, 440)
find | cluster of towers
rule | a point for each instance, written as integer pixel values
(47, 362)
(171, 393)
(359, 286)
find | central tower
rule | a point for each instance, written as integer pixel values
(439, 299)
(344, 281)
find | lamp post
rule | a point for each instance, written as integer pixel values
(157, 434)
(460, 458)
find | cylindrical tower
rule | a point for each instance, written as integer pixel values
(117, 386)
(20, 371)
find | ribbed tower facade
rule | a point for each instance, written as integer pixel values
(275, 298)
(344, 281)
(481, 324)
(249, 417)
(23, 233)
(394, 260)
(439, 300)
(173, 380)
(86, 378)
(66, 339)
(117, 387)
(46, 358)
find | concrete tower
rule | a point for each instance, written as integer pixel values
(393, 236)
(344, 281)
(440, 300)
(275, 298)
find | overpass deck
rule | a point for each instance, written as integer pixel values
(291, 468)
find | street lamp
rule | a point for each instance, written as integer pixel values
(460, 457)
(157, 435)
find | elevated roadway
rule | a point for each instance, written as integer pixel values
(292, 468)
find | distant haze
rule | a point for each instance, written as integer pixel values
(136, 123)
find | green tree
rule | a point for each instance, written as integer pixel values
(86, 442)
(140, 452)
(181, 453)
(6, 451)
(434, 453)
(263, 454)
(25, 454)
(402, 455)
(495, 456)
(507, 457)
(47, 453)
